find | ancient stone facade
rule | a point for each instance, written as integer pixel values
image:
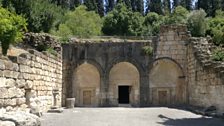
(31, 80)
(96, 73)
(123, 64)
(179, 71)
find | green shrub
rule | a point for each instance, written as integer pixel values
(12, 27)
(197, 23)
(147, 50)
(218, 55)
(216, 30)
(80, 23)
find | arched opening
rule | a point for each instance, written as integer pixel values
(167, 83)
(124, 81)
(86, 84)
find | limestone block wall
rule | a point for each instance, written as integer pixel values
(167, 72)
(30, 80)
(205, 77)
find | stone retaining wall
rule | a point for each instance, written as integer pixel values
(205, 77)
(30, 80)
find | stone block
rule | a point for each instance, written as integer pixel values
(2, 65)
(16, 92)
(10, 83)
(2, 82)
(8, 65)
(11, 74)
(29, 84)
(4, 93)
(10, 102)
(15, 67)
(7, 123)
(20, 101)
(20, 83)
(25, 69)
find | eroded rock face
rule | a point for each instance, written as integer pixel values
(18, 119)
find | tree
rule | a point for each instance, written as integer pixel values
(186, 3)
(197, 23)
(155, 6)
(12, 27)
(80, 23)
(179, 16)
(110, 5)
(216, 28)
(100, 7)
(140, 6)
(210, 6)
(152, 23)
(175, 3)
(122, 21)
(166, 7)
(41, 15)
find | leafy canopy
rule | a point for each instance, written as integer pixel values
(197, 23)
(152, 23)
(12, 27)
(41, 15)
(122, 21)
(216, 28)
(80, 23)
(178, 16)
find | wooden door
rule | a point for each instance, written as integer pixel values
(87, 97)
(163, 97)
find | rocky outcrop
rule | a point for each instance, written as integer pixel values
(41, 42)
(18, 119)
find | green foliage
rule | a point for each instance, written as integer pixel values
(147, 50)
(122, 21)
(179, 16)
(216, 28)
(44, 16)
(12, 27)
(80, 23)
(51, 51)
(41, 15)
(155, 6)
(218, 55)
(197, 23)
(152, 23)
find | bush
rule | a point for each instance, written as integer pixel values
(41, 15)
(218, 55)
(147, 50)
(12, 27)
(179, 16)
(216, 29)
(80, 23)
(197, 23)
(152, 23)
(122, 21)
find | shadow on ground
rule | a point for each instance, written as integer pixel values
(203, 121)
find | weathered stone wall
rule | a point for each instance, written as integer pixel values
(205, 77)
(30, 80)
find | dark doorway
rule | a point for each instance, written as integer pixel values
(123, 96)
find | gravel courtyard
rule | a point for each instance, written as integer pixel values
(127, 117)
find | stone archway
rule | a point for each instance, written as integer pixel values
(167, 83)
(124, 75)
(86, 85)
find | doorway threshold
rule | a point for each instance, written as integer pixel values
(124, 105)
